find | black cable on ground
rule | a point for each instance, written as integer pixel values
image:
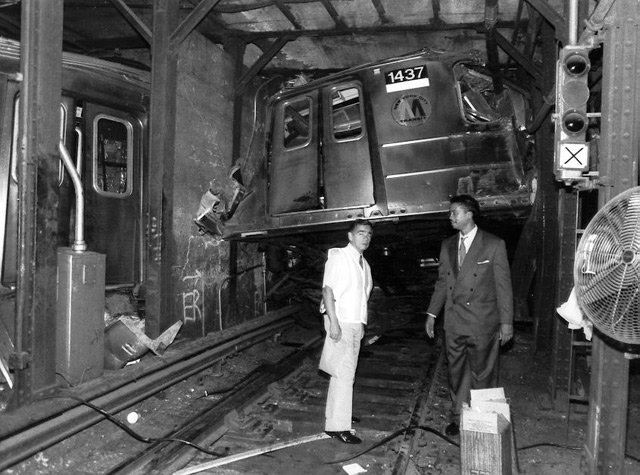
(128, 430)
(151, 440)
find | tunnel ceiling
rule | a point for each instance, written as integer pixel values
(317, 34)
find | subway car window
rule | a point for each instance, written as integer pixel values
(113, 156)
(297, 123)
(475, 91)
(346, 113)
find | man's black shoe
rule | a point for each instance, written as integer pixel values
(355, 420)
(452, 429)
(344, 436)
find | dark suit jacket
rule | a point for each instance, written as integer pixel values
(477, 299)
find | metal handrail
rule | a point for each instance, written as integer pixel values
(79, 245)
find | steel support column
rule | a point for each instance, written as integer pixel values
(618, 165)
(41, 66)
(546, 211)
(162, 133)
(561, 361)
(236, 48)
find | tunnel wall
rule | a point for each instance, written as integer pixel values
(201, 264)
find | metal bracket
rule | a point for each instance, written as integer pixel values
(19, 360)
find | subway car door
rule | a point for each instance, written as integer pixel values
(9, 181)
(113, 191)
(293, 167)
(346, 164)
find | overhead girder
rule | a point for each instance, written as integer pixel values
(128, 14)
(340, 24)
(552, 16)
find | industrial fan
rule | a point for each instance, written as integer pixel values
(607, 268)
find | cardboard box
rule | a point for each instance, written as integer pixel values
(486, 438)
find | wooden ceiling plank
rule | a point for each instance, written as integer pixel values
(252, 37)
(133, 19)
(286, 11)
(520, 58)
(552, 16)
(262, 62)
(333, 13)
(193, 19)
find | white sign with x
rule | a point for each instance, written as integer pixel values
(573, 156)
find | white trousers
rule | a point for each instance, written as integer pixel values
(338, 410)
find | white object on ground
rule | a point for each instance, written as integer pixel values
(133, 417)
(353, 469)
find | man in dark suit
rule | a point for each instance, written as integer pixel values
(474, 288)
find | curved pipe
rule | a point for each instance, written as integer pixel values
(78, 244)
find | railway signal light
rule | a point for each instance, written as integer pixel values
(572, 95)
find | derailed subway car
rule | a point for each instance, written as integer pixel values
(388, 141)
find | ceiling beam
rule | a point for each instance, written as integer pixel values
(518, 57)
(552, 16)
(286, 11)
(490, 19)
(262, 62)
(133, 19)
(333, 14)
(193, 19)
(382, 14)
(516, 30)
(251, 37)
(435, 8)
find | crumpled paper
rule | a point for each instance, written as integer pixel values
(571, 312)
(158, 345)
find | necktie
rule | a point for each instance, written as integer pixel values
(361, 263)
(462, 252)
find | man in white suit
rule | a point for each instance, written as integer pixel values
(346, 286)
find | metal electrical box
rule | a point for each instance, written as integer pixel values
(80, 304)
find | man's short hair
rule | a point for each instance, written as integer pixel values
(469, 202)
(359, 222)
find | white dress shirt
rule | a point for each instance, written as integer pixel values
(351, 284)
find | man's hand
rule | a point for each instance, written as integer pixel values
(335, 332)
(506, 333)
(429, 325)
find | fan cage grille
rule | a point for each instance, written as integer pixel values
(607, 268)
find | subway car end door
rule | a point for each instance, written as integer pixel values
(113, 191)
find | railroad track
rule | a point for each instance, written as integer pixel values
(279, 404)
(49, 421)
(392, 383)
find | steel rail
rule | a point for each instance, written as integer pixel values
(209, 425)
(49, 431)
